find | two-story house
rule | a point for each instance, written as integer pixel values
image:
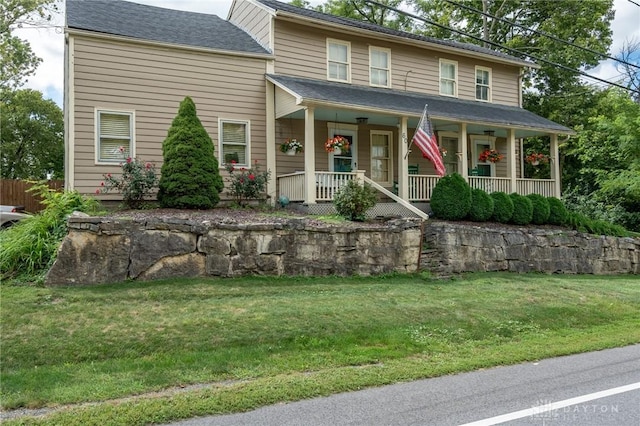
(271, 72)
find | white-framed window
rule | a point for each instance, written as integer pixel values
(338, 60)
(115, 132)
(379, 66)
(234, 137)
(448, 77)
(381, 156)
(483, 84)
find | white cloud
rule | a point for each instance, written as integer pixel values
(48, 43)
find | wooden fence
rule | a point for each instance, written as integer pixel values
(14, 193)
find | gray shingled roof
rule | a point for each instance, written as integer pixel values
(413, 103)
(276, 5)
(158, 24)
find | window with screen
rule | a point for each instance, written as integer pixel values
(234, 141)
(114, 140)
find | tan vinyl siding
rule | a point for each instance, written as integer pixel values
(301, 51)
(152, 81)
(253, 20)
(285, 103)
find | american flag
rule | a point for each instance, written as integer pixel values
(425, 139)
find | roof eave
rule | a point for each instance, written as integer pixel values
(127, 39)
(294, 17)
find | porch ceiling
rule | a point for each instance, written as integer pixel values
(345, 102)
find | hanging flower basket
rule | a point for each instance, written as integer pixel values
(291, 146)
(337, 145)
(536, 158)
(491, 155)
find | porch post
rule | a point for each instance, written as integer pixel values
(309, 157)
(555, 165)
(464, 167)
(403, 160)
(272, 184)
(511, 165)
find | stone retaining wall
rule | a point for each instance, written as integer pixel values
(99, 250)
(455, 248)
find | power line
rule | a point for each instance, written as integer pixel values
(444, 27)
(542, 33)
(631, 1)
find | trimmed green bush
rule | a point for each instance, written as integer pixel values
(541, 209)
(353, 200)
(502, 207)
(522, 209)
(481, 206)
(190, 178)
(558, 213)
(451, 198)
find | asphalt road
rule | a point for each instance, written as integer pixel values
(598, 388)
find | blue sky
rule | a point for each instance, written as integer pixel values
(48, 43)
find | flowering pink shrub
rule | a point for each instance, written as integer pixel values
(246, 184)
(138, 182)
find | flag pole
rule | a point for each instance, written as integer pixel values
(424, 111)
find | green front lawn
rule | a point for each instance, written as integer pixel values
(261, 340)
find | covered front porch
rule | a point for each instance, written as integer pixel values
(379, 124)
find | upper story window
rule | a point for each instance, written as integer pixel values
(114, 135)
(448, 78)
(483, 84)
(379, 66)
(234, 141)
(338, 60)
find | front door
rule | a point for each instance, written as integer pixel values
(345, 161)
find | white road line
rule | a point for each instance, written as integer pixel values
(553, 406)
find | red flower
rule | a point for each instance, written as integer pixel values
(252, 177)
(101, 183)
(108, 175)
(147, 166)
(234, 162)
(97, 191)
(128, 160)
(241, 180)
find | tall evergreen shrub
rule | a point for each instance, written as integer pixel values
(541, 209)
(451, 198)
(190, 178)
(502, 207)
(522, 209)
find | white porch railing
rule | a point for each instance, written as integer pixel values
(327, 183)
(420, 186)
(292, 186)
(491, 184)
(544, 187)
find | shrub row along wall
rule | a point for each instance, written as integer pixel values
(456, 248)
(100, 250)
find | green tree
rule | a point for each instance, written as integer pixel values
(190, 178)
(605, 184)
(32, 136)
(362, 10)
(17, 60)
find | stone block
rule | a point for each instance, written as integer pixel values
(185, 265)
(148, 247)
(86, 258)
